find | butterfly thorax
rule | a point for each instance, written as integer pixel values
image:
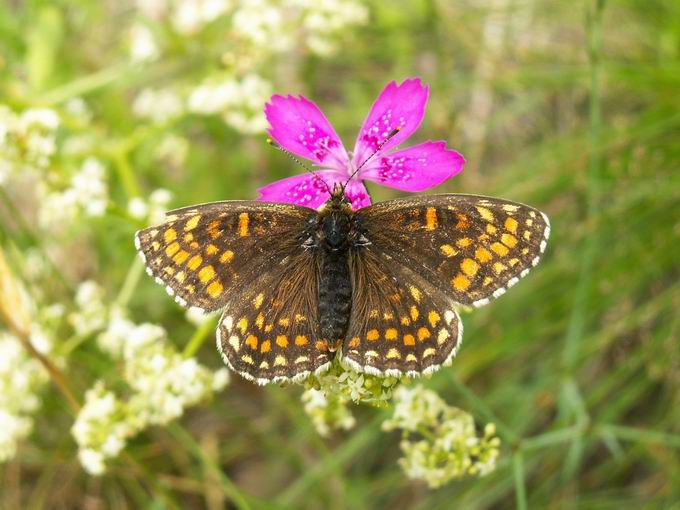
(336, 234)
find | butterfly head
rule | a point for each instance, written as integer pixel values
(338, 201)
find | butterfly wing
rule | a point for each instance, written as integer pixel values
(246, 257)
(203, 254)
(269, 331)
(423, 256)
(471, 248)
(400, 323)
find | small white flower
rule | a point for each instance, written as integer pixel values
(91, 313)
(137, 208)
(143, 46)
(157, 105)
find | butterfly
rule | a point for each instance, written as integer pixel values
(378, 286)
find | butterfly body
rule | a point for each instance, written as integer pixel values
(337, 234)
(378, 286)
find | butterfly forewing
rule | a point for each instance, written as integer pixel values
(400, 324)
(204, 254)
(471, 248)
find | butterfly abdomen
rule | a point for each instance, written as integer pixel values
(335, 289)
(335, 297)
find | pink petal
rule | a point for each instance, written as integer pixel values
(306, 189)
(416, 168)
(357, 194)
(397, 106)
(298, 125)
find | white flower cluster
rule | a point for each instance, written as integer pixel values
(185, 16)
(276, 24)
(152, 211)
(87, 193)
(91, 312)
(327, 396)
(327, 411)
(439, 441)
(158, 105)
(238, 101)
(101, 429)
(257, 31)
(324, 21)
(21, 380)
(27, 140)
(162, 384)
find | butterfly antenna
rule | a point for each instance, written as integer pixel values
(291, 156)
(376, 151)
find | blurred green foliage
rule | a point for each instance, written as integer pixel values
(572, 107)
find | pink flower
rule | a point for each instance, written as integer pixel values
(298, 125)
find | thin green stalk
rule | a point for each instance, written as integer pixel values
(551, 438)
(130, 283)
(578, 318)
(126, 173)
(520, 490)
(578, 312)
(640, 435)
(199, 336)
(84, 85)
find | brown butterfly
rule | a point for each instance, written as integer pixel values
(379, 285)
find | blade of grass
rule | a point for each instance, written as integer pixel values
(518, 471)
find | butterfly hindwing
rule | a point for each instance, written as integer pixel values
(400, 324)
(202, 254)
(471, 248)
(269, 332)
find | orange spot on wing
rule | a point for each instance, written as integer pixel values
(469, 267)
(463, 222)
(180, 257)
(433, 318)
(423, 333)
(431, 218)
(511, 225)
(448, 250)
(243, 221)
(483, 255)
(170, 235)
(409, 340)
(391, 334)
(372, 335)
(172, 249)
(215, 289)
(301, 340)
(226, 256)
(192, 222)
(500, 249)
(509, 240)
(195, 262)
(460, 282)
(251, 341)
(485, 213)
(206, 274)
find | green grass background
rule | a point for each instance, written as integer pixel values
(573, 109)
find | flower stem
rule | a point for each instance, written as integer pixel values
(198, 338)
(520, 490)
(55, 374)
